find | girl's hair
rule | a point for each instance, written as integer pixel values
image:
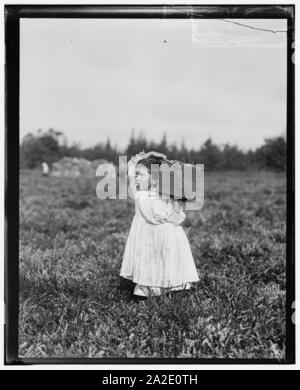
(147, 162)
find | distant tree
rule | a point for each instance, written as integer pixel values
(272, 154)
(173, 152)
(233, 158)
(131, 147)
(195, 156)
(141, 143)
(52, 145)
(211, 155)
(136, 144)
(162, 147)
(152, 145)
(41, 147)
(73, 151)
(183, 152)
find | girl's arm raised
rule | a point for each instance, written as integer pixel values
(131, 171)
(131, 176)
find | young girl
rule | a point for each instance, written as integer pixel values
(157, 254)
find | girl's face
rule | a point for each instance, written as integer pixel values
(142, 178)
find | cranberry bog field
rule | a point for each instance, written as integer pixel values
(70, 252)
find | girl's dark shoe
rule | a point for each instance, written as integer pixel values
(138, 298)
(126, 285)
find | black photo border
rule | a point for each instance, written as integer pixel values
(13, 14)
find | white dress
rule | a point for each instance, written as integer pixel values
(157, 252)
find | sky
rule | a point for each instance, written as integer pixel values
(188, 79)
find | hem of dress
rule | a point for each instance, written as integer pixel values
(168, 285)
(146, 291)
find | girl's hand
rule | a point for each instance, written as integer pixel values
(135, 159)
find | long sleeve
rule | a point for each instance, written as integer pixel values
(157, 211)
(154, 211)
(131, 175)
(177, 217)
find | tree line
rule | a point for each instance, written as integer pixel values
(51, 146)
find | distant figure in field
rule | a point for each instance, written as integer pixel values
(45, 169)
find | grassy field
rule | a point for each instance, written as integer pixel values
(71, 247)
